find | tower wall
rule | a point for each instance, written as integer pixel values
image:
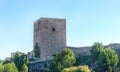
(50, 34)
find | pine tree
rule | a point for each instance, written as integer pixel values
(37, 51)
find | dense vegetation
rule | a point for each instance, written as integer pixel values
(18, 63)
(101, 59)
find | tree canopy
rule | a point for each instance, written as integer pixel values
(21, 61)
(107, 60)
(95, 51)
(9, 67)
(1, 68)
(64, 59)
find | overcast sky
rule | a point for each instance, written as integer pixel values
(88, 21)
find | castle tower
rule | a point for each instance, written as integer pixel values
(50, 34)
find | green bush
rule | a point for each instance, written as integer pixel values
(77, 69)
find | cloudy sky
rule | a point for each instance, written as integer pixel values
(88, 21)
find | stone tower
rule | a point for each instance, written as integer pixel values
(50, 34)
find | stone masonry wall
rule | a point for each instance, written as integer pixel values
(50, 34)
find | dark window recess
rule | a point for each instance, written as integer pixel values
(53, 29)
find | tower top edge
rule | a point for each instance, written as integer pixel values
(49, 19)
(45, 18)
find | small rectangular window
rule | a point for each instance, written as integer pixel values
(53, 29)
